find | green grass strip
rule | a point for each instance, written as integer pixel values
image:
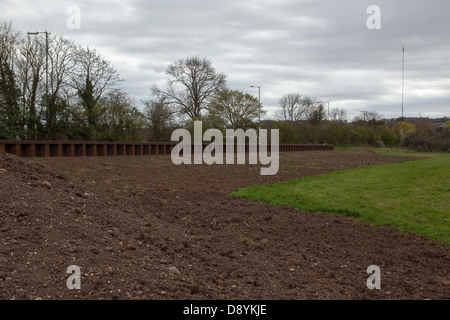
(413, 196)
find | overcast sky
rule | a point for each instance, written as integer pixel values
(320, 48)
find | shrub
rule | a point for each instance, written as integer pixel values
(287, 133)
(424, 143)
(389, 138)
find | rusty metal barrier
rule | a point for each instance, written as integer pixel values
(49, 148)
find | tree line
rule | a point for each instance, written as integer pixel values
(64, 91)
(60, 91)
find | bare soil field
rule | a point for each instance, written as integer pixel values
(143, 228)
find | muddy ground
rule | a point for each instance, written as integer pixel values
(143, 228)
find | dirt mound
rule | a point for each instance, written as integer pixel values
(48, 223)
(143, 228)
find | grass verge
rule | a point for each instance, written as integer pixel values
(412, 196)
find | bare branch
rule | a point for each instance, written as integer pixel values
(191, 83)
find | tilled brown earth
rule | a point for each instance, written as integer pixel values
(144, 228)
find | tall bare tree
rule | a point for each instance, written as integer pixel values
(191, 83)
(30, 71)
(62, 63)
(159, 118)
(91, 78)
(295, 107)
(12, 124)
(43, 109)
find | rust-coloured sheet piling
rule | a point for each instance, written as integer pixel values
(49, 148)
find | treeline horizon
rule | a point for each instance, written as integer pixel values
(65, 91)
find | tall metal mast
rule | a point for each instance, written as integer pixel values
(403, 77)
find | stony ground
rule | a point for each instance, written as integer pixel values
(143, 228)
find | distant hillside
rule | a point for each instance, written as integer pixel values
(416, 120)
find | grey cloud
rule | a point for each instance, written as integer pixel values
(321, 48)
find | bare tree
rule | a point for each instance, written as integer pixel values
(191, 82)
(42, 109)
(62, 62)
(338, 115)
(159, 118)
(63, 58)
(368, 118)
(91, 78)
(93, 71)
(295, 107)
(11, 125)
(30, 70)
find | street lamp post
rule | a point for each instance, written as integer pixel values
(259, 101)
(46, 56)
